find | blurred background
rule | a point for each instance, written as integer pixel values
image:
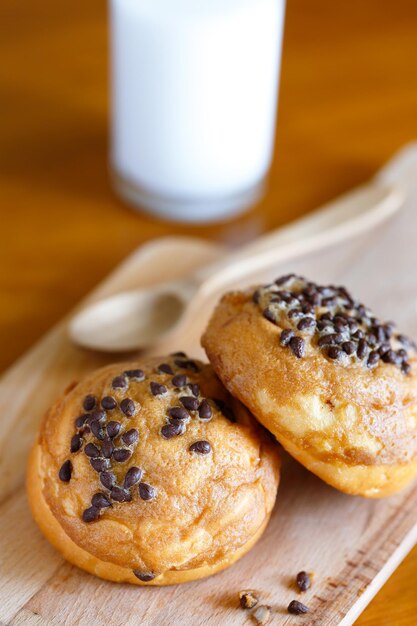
(348, 101)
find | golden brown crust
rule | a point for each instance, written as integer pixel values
(354, 427)
(208, 509)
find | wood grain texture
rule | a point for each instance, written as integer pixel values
(348, 101)
(351, 544)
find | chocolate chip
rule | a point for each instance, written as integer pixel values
(309, 308)
(107, 479)
(91, 450)
(144, 576)
(81, 420)
(284, 279)
(288, 298)
(294, 314)
(165, 368)
(342, 317)
(353, 327)
(76, 443)
(91, 514)
(256, 297)
(178, 413)
(315, 300)
(297, 346)
(331, 338)
(306, 323)
(362, 350)
(333, 352)
(269, 315)
(373, 358)
(100, 501)
(108, 403)
(389, 328)
(146, 492)
(89, 402)
(326, 317)
(389, 357)
(341, 326)
(204, 410)
(113, 429)
(99, 465)
(348, 347)
(297, 608)
(128, 407)
(100, 416)
(341, 321)
(323, 324)
(194, 388)
(406, 341)
(65, 471)
(247, 599)
(326, 340)
(200, 447)
(121, 455)
(379, 333)
(344, 292)
(310, 290)
(96, 429)
(107, 448)
(179, 380)
(225, 410)
(84, 429)
(189, 403)
(406, 368)
(130, 437)
(138, 375)
(120, 495)
(133, 476)
(172, 430)
(188, 365)
(157, 389)
(119, 382)
(276, 298)
(303, 581)
(181, 363)
(328, 302)
(286, 335)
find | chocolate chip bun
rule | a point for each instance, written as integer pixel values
(150, 473)
(334, 384)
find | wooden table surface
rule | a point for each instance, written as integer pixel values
(348, 101)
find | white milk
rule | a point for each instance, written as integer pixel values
(194, 85)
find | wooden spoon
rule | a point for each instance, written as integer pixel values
(139, 318)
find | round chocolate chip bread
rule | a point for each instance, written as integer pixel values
(150, 473)
(334, 384)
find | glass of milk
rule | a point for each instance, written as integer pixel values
(194, 91)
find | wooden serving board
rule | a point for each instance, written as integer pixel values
(351, 544)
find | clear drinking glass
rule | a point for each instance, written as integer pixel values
(194, 91)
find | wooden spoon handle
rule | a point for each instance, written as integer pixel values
(351, 214)
(348, 216)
